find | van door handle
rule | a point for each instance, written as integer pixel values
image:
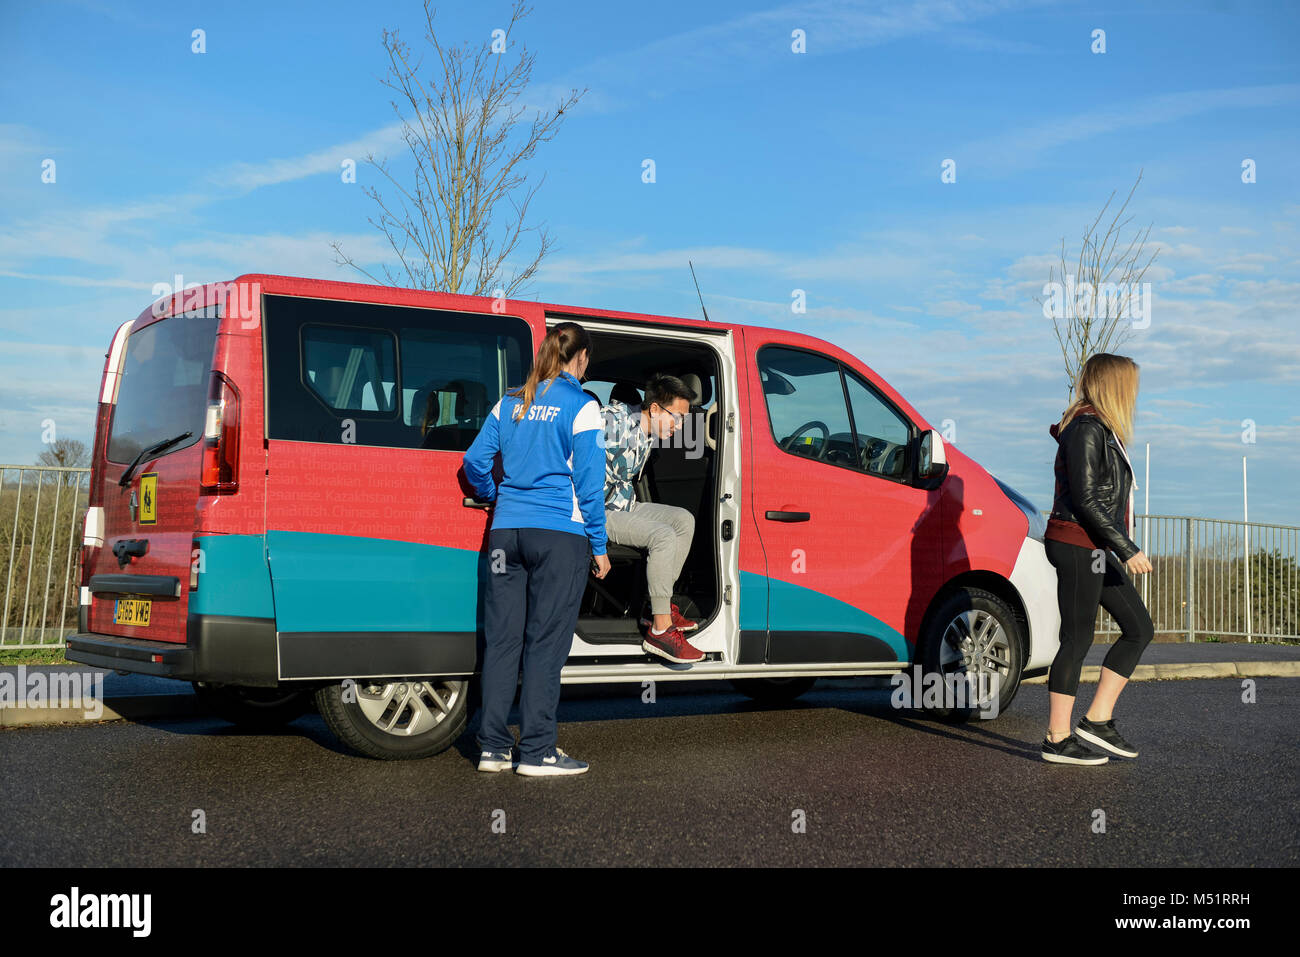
(127, 548)
(788, 516)
(475, 503)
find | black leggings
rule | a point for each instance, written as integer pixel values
(1079, 590)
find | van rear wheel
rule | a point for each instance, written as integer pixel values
(772, 690)
(396, 719)
(258, 709)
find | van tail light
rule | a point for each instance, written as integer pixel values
(220, 474)
(92, 540)
(195, 560)
(92, 531)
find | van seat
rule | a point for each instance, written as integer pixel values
(623, 556)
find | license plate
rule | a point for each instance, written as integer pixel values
(131, 611)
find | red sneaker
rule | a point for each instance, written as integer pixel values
(680, 621)
(671, 644)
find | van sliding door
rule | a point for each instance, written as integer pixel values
(374, 558)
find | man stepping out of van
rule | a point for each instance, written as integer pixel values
(664, 530)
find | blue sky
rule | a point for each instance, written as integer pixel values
(775, 171)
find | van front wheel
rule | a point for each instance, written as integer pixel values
(395, 719)
(973, 642)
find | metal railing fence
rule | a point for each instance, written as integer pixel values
(41, 514)
(1212, 579)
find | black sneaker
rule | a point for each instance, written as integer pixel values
(1104, 736)
(1069, 751)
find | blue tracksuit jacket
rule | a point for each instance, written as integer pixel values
(552, 461)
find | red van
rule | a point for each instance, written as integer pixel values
(278, 509)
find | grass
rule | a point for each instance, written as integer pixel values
(33, 656)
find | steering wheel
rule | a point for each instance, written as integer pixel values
(872, 451)
(789, 441)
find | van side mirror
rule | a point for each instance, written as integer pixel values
(931, 460)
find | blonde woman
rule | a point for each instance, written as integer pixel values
(1088, 541)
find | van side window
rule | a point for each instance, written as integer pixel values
(362, 373)
(822, 410)
(806, 405)
(882, 434)
(452, 378)
(350, 369)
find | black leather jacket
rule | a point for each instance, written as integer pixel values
(1093, 481)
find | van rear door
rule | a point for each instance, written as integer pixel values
(139, 580)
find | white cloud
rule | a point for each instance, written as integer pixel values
(246, 177)
(754, 41)
(1018, 149)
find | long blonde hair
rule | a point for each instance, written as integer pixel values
(564, 341)
(1109, 383)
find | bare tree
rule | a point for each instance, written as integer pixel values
(1092, 308)
(456, 223)
(65, 453)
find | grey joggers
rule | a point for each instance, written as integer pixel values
(666, 531)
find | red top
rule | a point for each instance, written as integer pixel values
(1071, 532)
(1059, 529)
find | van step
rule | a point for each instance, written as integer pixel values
(609, 631)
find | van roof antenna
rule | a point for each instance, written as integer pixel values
(697, 290)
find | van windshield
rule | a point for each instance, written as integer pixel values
(164, 387)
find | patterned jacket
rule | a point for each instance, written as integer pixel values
(626, 449)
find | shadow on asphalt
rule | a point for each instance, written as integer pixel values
(623, 703)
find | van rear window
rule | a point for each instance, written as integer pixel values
(164, 386)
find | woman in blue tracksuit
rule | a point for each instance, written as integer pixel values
(548, 523)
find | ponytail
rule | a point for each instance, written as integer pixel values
(562, 343)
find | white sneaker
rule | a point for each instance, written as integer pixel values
(495, 761)
(557, 762)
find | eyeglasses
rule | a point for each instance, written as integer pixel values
(677, 417)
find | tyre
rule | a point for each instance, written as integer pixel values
(772, 690)
(973, 638)
(258, 709)
(396, 719)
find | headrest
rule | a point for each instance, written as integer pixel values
(692, 382)
(626, 393)
(420, 401)
(471, 399)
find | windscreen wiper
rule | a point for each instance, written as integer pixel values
(146, 453)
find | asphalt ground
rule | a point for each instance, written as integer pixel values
(135, 696)
(701, 777)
